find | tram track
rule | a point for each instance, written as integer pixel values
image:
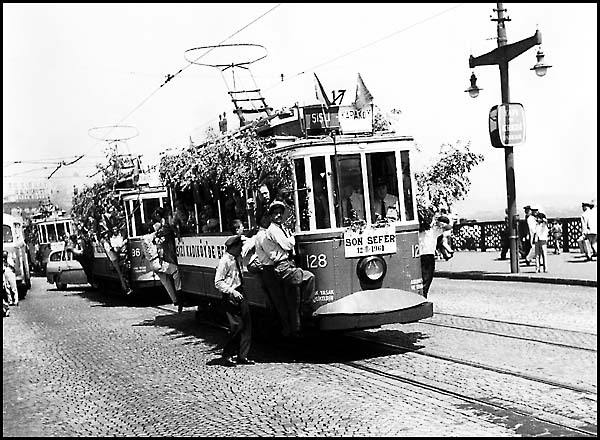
(491, 407)
(503, 412)
(520, 327)
(404, 348)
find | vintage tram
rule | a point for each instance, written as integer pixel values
(365, 260)
(52, 230)
(138, 204)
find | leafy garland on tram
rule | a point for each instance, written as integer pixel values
(242, 161)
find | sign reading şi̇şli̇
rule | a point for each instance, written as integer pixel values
(371, 241)
(507, 125)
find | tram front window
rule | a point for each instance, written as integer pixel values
(52, 237)
(60, 229)
(351, 198)
(383, 184)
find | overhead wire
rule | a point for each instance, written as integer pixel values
(169, 77)
(278, 83)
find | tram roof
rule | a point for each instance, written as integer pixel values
(283, 143)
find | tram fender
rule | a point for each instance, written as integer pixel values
(372, 302)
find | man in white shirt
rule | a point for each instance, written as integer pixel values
(230, 282)
(384, 205)
(276, 289)
(429, 231)
(589, 228)
(279, 245)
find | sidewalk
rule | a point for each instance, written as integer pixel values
(567, 268)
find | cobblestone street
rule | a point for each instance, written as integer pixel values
(79, 363)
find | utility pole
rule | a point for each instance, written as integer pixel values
(501, 57)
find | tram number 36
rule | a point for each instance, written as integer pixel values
(316, 261)
(136, 252)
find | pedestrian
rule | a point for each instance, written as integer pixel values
(524, 234)
(300, 283)
(556, 231)
(230, 282)
(541, 240)
(276, 290)
(531, 227)
(505, 237)
(10, 278)
(429, 231)
(589, 229)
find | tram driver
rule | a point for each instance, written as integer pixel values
(384, 205)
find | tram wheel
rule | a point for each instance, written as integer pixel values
(61, 286)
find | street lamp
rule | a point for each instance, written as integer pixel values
(473, 90)
(540, 68)
(501, 57)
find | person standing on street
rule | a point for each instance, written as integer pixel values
(230, 282)
(541, 239)
(429, 231)
(589, 229)
(10, 278)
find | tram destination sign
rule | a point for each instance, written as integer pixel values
(507, 125)
(371, 241)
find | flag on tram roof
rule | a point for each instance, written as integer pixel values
(363, 96)
(320, 92)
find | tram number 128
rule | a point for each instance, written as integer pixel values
(316, 261)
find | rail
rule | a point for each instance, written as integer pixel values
(481, 236)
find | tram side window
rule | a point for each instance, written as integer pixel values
(383, 184)
(302, 194)
(233, 207)
(320, 192)
(407, 186)
(352, 198)
(184, 217)
(208, 214)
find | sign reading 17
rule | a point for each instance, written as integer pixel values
(316, 261)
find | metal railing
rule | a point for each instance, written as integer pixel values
(481, 236)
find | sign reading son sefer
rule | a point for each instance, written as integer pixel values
(371, 241)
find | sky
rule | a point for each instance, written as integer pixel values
(68, 68)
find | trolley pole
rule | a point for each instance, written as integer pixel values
(501, 56)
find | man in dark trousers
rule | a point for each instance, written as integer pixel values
(229, 281)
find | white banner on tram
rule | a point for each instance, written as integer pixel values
(371, 241)
(200, 251)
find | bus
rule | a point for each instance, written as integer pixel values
(13, 241)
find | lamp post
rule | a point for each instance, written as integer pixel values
(501, 57)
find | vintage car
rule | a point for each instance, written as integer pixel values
(63, 269)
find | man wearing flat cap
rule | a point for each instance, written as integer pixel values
(230, 282)
(300, 284)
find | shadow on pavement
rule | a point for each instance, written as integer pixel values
(268, 347)
(107, 298)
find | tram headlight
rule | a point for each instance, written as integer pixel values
(371, 269)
